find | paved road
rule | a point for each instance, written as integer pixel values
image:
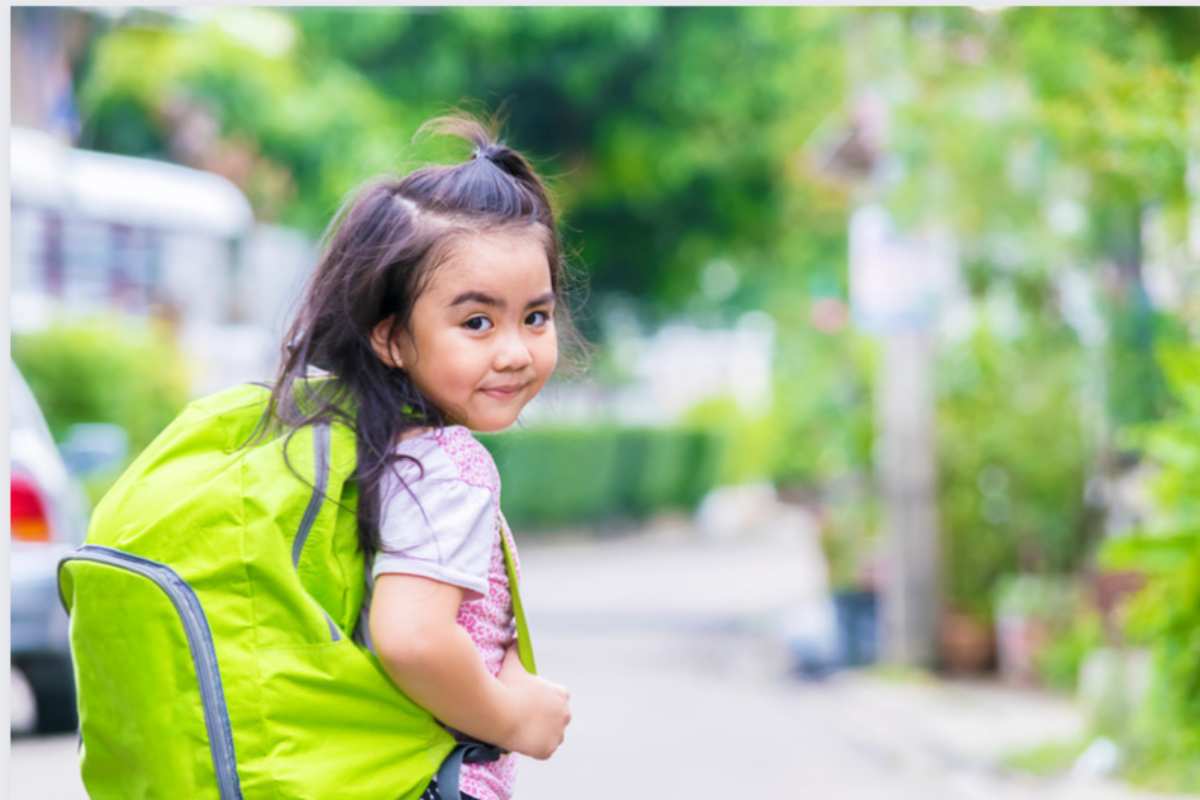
(680, 689)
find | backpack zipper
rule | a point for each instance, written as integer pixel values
(200, 642)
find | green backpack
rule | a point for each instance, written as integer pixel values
(212, 609)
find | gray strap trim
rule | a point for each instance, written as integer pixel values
(451, 769)
(200, 643)
(362, 629)
(321, 438)
(321, 442)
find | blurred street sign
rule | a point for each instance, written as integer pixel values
(898, 281)
(899, 284)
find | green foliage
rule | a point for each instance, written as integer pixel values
(1008, 106)
(849, 535)
(823, 413)
(815, 439)
(747, 443)
(676, 135)
(104, 370)
(1045, 597)
(820, 424)
(1056, 605)
(659, 147)
(662, 468)
(1012, 457)
(555, 475)
(1048, 759)
(282, 121)
(1058, 664)
(1010, 125)
(1138, 388)
(1165, 616)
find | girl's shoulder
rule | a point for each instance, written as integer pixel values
(451, 453)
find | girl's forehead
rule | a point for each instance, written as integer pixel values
(497, 262)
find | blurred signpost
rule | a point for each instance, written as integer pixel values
(897, 283)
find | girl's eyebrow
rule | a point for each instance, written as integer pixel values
(541, 300)
(476, 297)
(482, 298)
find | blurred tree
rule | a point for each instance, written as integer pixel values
(674, 134)
(668, 131)
(1043, 135)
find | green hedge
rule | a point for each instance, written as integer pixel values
(124, 372)
(104, 369)
(559, 475)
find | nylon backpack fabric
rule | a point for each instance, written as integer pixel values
(212, 608)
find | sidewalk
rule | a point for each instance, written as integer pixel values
(674, 651)
(968, 728)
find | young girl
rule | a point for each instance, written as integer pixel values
(437, 307)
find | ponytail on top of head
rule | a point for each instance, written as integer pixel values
(496, 182)
(376, 259)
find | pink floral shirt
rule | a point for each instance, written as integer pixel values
(447, 526)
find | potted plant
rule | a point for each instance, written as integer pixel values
(1008, 503)
(1031, 611)
(966, 641)
(849, 541)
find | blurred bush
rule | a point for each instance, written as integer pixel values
(823, 416)
(104, 369)
(819, 428)
(1164, 738)
(747, 444)
(1059, 663)
(1013, 460)
(814, 442)
(1044, 629)
(558, 475)
(850, 534)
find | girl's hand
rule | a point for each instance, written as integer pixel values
(543, 711)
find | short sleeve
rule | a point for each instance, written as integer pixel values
(439, 527)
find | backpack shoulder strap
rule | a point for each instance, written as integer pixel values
(524, 645)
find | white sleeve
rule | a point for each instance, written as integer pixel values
(443, 529)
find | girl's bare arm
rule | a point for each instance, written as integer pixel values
(433, 660)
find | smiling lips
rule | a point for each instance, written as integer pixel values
(503, 392)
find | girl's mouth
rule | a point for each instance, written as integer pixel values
(503, 392)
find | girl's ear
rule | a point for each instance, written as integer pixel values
(383, 342)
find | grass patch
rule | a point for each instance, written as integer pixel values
(1164, 774)
(1049, 758)
(1156, 774)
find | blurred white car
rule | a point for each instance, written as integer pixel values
(49, 518)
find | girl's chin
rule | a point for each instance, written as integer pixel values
(491, 422)
(490, 425)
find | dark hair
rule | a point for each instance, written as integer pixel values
(377, 257)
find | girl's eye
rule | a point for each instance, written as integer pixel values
(537, 319)
(479, 323)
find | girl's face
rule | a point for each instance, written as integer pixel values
(482, 341)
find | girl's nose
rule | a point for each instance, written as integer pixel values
(512, 353)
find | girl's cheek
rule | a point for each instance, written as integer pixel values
(551, 356)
